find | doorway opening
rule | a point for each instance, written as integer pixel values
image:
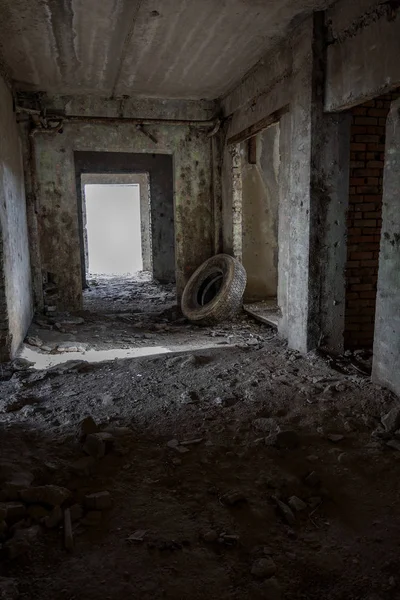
(364, 222)
(113, 229)
(256, 163)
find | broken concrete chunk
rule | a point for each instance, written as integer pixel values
(234, 497)
(98, 501)
(68, 536)
(285, 512)
(51, 495)
(391, 421)
(335, 437)
(263, 568)
(87, 427)
(297, 504)
(54, 518)
(98, 445)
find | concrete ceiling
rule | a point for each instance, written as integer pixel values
(157, 48)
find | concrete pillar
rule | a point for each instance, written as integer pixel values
(386, 362)
(318, 196)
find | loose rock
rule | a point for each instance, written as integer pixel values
(87, 427)
(8, 589)
(14, 511)
(263, 568)
(272, 590)
(83, 466)
(76, 512)
(51, 495)
(335, 437)
(391, 421)
(297, 504)
(21, 541)
(98, 501)
(287, 440)
(210, 536)
(18, 482)
(234, 497)
(98, 445)
(285, 512)
(68, 536)
(54, 518)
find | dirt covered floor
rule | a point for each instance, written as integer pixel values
(239, 471)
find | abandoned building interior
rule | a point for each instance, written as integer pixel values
(241, 440)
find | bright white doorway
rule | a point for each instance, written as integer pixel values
(113, 228)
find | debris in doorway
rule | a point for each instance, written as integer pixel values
(215, 291)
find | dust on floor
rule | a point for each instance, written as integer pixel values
(241, 471)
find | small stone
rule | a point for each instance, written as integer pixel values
(285, 512)
(264, 424)
(394, 444)
(287, 440)
(312, 458)
(342, 458)
(55, 518)
(21, 541)
(34, 341)
(391, 421)
(83, 466)
(234, 497)
(210, 536)
(263, 568)
(98, 501)
(118, 431)
(137, 536)
(15, 511)
(76, 512)
(192, 442)
(98, 445)
(68, 536)
(297, 504)
(173, 443)
(87, 427)
(51, 495)
(335, 437)
(312, 479)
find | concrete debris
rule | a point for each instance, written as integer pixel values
(335, 438)
(391, 421)
(21, 364)
(285, 512)
(71, 347)
(233, 498)
(21, 541)
(137, 536)
(263, 568)
(297, 504)
(87, 427)
(54, 519)
(68, 535)
(98, 501)
(98, 445)
(34, 341)
(210, 536)
(51, 495)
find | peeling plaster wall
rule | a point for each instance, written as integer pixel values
(57, 201)
(15, 278)
(363, 52)
(260, 216)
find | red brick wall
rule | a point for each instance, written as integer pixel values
(367, 148)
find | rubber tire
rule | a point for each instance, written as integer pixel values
(228, 300)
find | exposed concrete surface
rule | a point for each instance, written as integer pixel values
(260, 216)
(15, 273)
(164, 48)
(142, 179)
(57, 204)
(387, 320)
(363, 52)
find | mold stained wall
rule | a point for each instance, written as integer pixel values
(260, 196)
(15, 273)
(58, 208)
